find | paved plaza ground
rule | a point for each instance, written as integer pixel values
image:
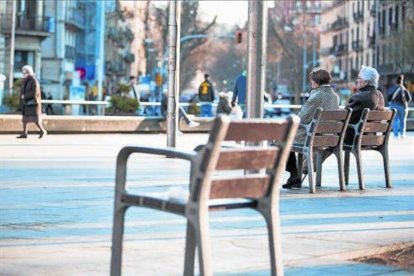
(57, 198)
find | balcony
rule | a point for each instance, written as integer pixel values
(33, 26)
(339, 50)
(339, 24)
(70, 52)
(372, 11)
(371, 41)
(75, 17)
(326, 51)
(357, 45)
(394, 26)
(358, 16)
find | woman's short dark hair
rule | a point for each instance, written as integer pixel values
(400, 79)
(320, 76)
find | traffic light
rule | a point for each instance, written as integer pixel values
(239, 37)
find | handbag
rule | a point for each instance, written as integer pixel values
(30, 102)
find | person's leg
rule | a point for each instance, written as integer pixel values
(24, 134)
(294, 181)
(291, 165)
(182, 114)
(188, 121)
(395, 124)
(41, 128)
(403, 120)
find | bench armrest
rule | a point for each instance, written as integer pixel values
(123, 155)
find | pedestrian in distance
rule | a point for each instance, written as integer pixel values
(367, 96)
(322, 95)
(206, 96)
(239, 94)
(399, 98)
(30, 102)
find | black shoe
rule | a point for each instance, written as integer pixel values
(43, 133)
(293, 183)
(22, 136)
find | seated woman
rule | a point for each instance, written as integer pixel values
(367, 96)
(322, 95)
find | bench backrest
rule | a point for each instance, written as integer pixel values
(374, 127)
(220, 169)
(327, 128)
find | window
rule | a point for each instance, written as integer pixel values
(367, 60)
(396, 16)
(22, 58)
(383, 54)
(368, 30)
(403, 11)
(390, 16)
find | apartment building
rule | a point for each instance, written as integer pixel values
(32, 27)
(71, 55)
(370, 32)
(395, 43)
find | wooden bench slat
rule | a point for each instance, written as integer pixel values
(376, 127)
(255, 158)
(379, 115)
(334, 115)
(325, 127)
(326, 141)
(257, 131)
(251, 186)
(372, 140)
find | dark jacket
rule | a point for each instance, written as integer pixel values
(366, 97)
(31, 94)
(323, 96)
(206, 92)
(239, 94)
(398, 99)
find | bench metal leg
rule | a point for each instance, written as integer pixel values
(340, 157)
(358, 158)
(275, 242)
(346, 167)
(117, 238)
(299, 164)
(319, 162)
(190, 246)
(311, 173)
(384, 153)
(203, 243)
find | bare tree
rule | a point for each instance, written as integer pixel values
(191, 24)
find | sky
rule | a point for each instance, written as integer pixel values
(229, 12)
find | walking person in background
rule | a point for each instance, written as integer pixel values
(322, 95)
(30, 102)
(399, 98)
(206, 96)
(239, 94)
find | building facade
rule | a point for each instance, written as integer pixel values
(374, 33)
(32, 27)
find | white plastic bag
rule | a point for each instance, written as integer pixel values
(236, 113)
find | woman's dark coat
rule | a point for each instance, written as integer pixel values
(31, 93)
